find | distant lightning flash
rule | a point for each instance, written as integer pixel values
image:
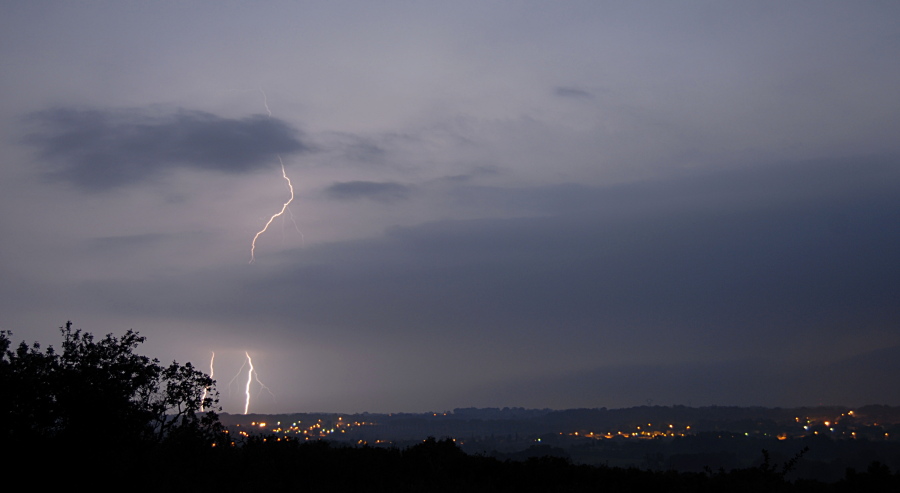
(251, 376)
(212, 374)
(249, 381)
(266, 102)
(285, 206)
(235, 377)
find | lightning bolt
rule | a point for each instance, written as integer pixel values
(266, 101)
(251, 376)
(285, 206)
(235, 377)
(249, 381)
(212, 373)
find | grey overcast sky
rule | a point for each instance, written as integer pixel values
(538, 204)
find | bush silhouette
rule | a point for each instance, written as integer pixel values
(100, 392)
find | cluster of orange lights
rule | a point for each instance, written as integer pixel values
(809, 427)
(831, 424)
(320, 429)
(317, 429)
(638, 432)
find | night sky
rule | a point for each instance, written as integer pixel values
(538, 204)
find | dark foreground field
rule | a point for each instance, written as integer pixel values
(434, 465)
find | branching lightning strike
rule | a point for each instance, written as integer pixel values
(251, 376)
(285, 206)
(278, 214)
(235, 377)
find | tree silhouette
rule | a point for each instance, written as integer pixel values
(101, 392)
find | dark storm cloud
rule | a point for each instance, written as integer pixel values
(571, 92)
(99, 150)
(377, 191)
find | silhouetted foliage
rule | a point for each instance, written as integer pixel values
(100, 392)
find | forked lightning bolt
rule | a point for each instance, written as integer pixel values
(285, 206)
(251, 376)
(279, 213)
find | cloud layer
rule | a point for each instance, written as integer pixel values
(98, 150)
(379, 192)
